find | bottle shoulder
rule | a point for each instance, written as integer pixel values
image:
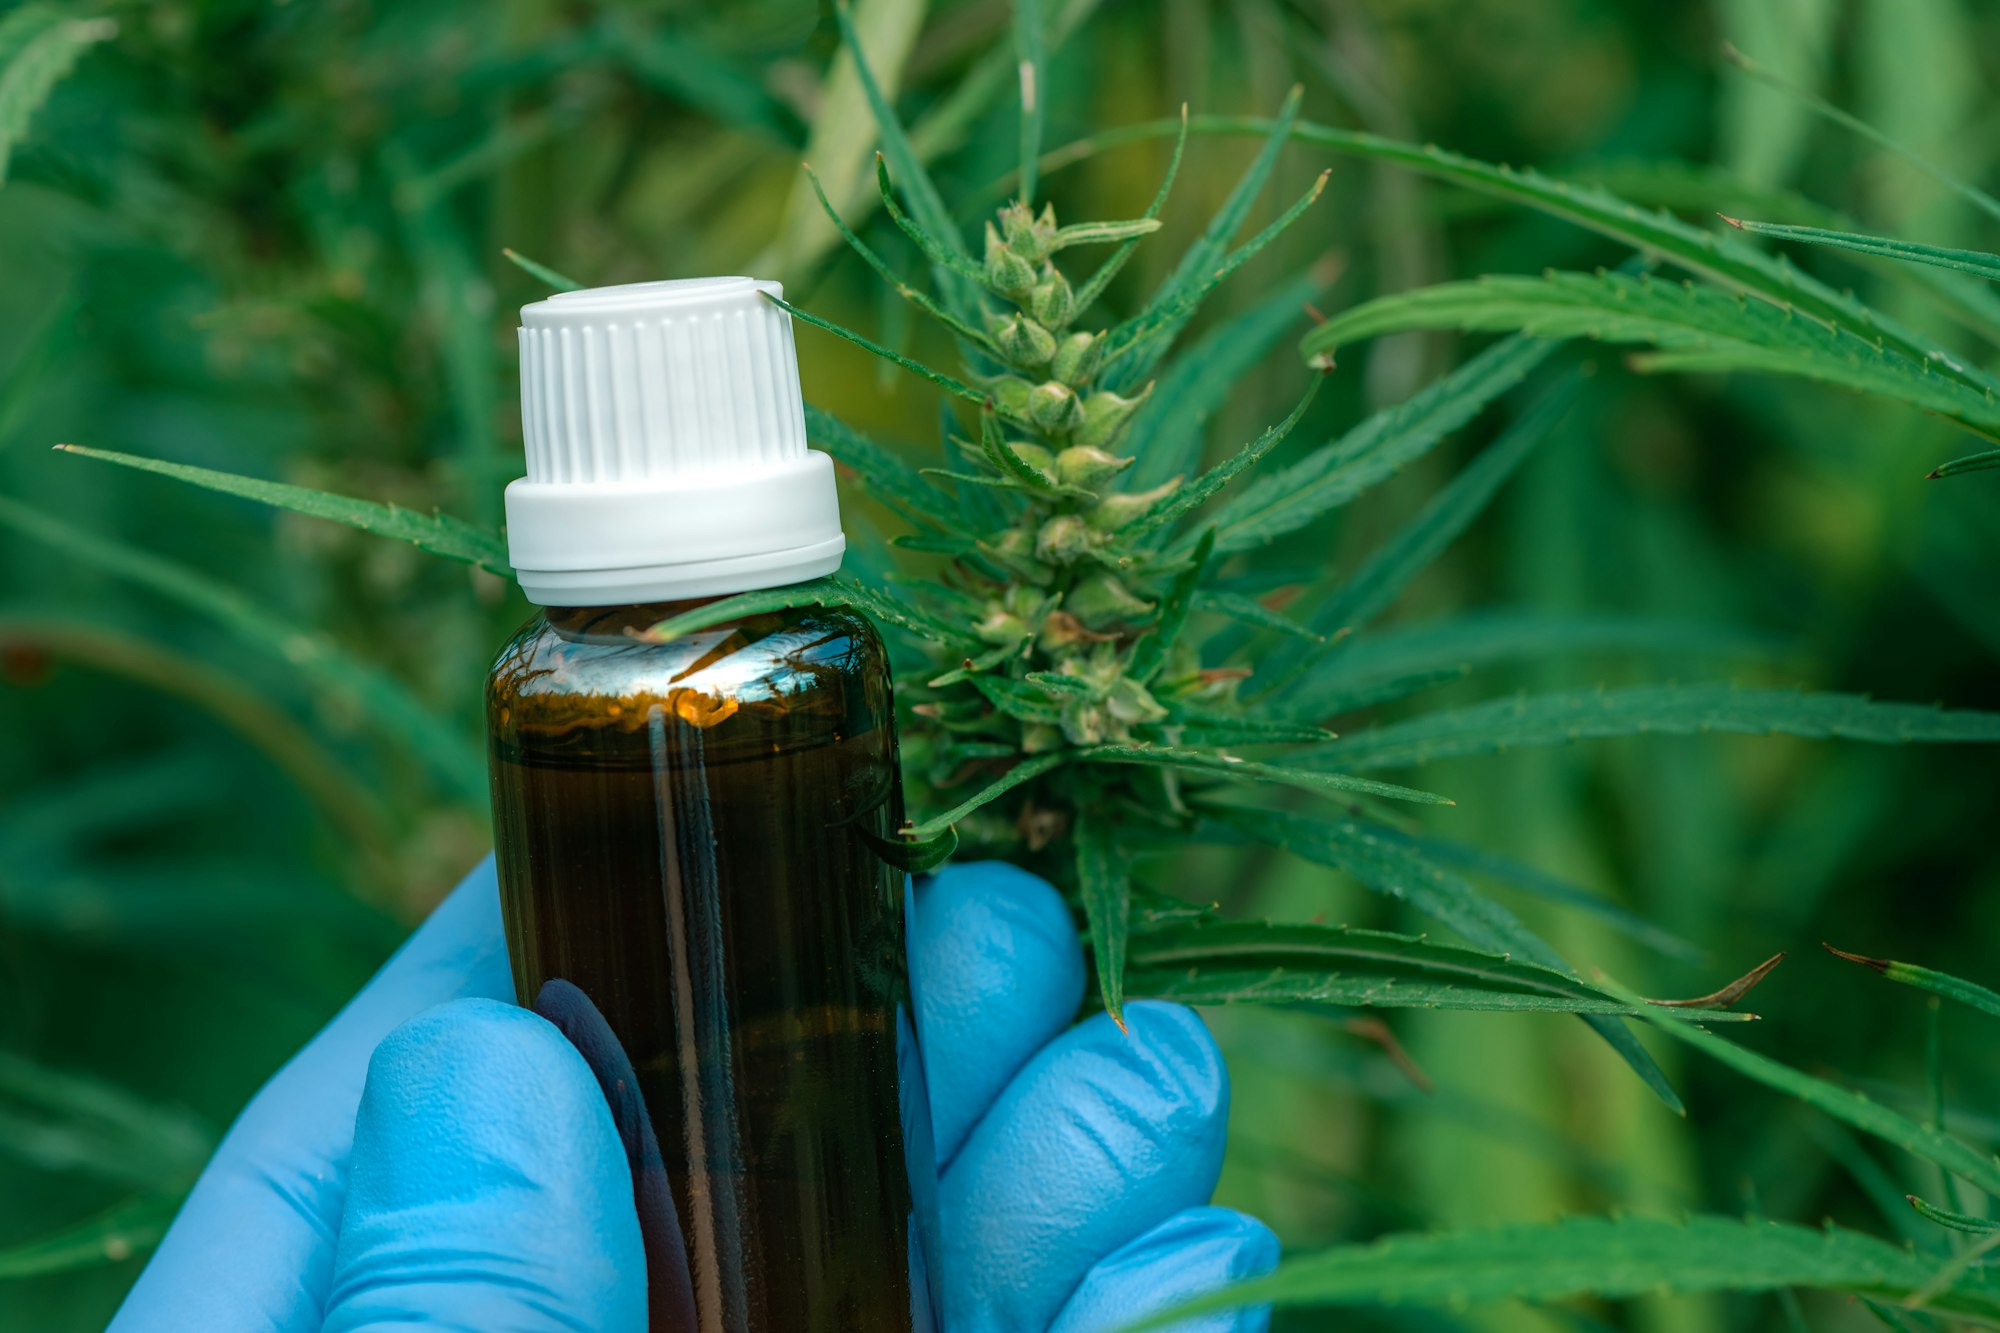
(572, 656)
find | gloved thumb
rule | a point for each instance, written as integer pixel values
(488, 1188)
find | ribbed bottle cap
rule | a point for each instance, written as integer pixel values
(666, 447)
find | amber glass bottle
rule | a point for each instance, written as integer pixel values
(692, 831)
(688, 836)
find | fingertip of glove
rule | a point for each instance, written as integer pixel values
(1194, 1251)
(480, 1064)
(1172, 1054)
(1026, 904)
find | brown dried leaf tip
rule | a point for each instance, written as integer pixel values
(1879, 964)
(1729, 994)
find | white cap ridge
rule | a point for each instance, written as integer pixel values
(667, 449)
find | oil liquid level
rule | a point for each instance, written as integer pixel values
(691, 894)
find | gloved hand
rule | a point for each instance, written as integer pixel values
(440, 1158)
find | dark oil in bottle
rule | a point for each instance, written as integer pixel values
(689, 839)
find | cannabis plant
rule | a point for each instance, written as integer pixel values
(1101, 665)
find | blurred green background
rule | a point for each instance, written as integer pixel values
(240, 752)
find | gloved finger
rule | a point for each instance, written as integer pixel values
(1102, 1137)
(1192, 1252)
(488, 1188)
(271, 1197)
(997, 971)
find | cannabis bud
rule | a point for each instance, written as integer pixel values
(1028, 236)
(1010, 395)
(1053, 302)
(1022, 341)
(1077, 358)
(1115, 511)
(1101, 599)
(1063, 539)
(1104, 417)
(1006, 272)
(1081, 465)
(1054, 408)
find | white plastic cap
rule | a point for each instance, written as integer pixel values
(666, 448)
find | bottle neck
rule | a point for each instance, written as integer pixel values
(617, 622)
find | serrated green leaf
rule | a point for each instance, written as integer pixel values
(1252, 612)
(1374, 587)
(1144, 339)
(1375, 450)
(1263, 962)
(1101, 233)
(1852, 1108)
(892, 280)
(1020, 700)
(832, 590)
(1698, 327)
(1978, 263)
(119, 1233)
(1186, 498)
(1608, 1257)
(39, 45)
(1199, 261)
(1945, 1217)
(898, 484)
(1382, 658)
(1188, 392)
(1723, 259)
(1026, 771)
(1968, 993)
(1678, 710)
(1106, 891)
(440, 534)
(1206, 729)
(1057, 685)
(542, 272)
(943, 259)
(1971, 463)
(946, 382)
(452, 754)
(1382, 860)
(1245, 770)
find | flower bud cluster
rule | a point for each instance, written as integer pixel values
(1073, 594)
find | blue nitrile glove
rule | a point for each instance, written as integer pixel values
(439, 1158)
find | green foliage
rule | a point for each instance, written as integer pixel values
(440, 534)
(1695, 328)
(1260, 962)
(1978, 263)
(1558, 719)
(39, 44)
(1925, 978)
(269, 243)
(1613, 1257)
(118, 1233)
